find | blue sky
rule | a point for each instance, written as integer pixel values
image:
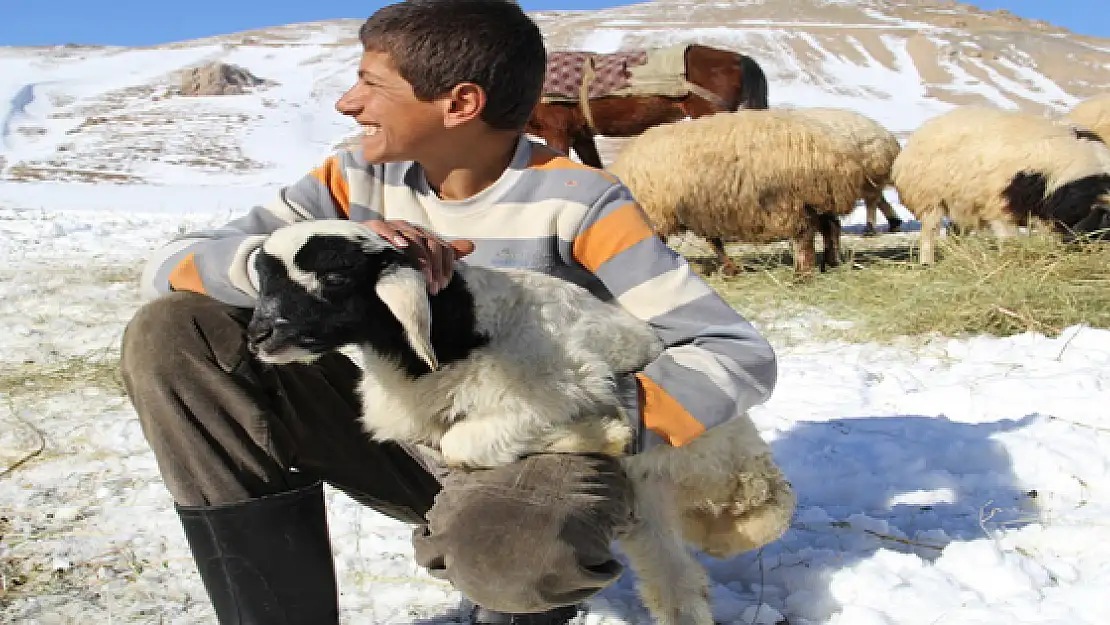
(134, 22)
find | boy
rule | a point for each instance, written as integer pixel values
(444, 89)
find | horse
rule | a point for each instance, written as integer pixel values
(717, 80)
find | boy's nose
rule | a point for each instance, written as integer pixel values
(347, 105)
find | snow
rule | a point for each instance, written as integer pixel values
(956, 481)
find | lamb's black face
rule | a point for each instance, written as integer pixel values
(316, 295)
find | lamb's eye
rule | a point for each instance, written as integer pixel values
(334, 279)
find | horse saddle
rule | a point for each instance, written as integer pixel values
(572, 74)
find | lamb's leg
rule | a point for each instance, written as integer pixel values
(486, 442)
(672, 584)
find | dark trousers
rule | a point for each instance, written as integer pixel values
(226, 428)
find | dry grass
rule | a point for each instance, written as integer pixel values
(980, 285)
(72, 373)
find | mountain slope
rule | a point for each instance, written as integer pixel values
(112, 114)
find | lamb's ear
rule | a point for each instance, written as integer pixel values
(405, 293)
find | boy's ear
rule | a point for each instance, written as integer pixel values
(464, 103)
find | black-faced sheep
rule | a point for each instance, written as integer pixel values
(981, 166)
(503, 363)
(876, 148)
(753, 176)
(1093, 114)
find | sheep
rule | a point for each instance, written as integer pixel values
(502, 363)
(876, 149)
(1093, 114)
(979, 165)
(749, 175)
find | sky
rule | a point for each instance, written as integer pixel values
(142, 22)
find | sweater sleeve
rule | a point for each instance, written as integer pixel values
(715, 364)
(219, 262)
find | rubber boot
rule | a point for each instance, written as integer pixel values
(266, 561)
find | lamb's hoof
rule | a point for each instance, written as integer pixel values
(894, 224)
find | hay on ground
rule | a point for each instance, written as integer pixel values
(981, 285)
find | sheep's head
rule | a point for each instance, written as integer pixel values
(325, 284)
(1095, 225)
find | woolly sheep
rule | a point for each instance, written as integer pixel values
(876, 148)
(983, 166)
(749, 175)
(1094, 115)
(503, 363)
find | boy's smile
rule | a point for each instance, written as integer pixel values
(396, 124)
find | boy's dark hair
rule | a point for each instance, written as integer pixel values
(437, 44)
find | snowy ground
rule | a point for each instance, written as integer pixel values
(957, 482)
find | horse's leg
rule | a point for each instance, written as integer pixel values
(586, 149)
(728, 267)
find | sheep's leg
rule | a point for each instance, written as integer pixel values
(871, 213)
(1003, 229)
(728, 267)
(930, 225)
(829, 226)
(805, 252)
(894, 222)
(672, 584)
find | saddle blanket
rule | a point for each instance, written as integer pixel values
(654, 71)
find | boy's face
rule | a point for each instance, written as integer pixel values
(397, 125)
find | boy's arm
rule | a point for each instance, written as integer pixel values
(715, 365)
(219, 262)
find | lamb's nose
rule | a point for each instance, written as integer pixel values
(257, 334)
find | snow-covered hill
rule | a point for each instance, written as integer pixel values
(113, 114)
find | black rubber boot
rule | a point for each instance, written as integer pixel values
(266, 561)
(482, 616)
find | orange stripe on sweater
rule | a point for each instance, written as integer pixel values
(665, 416)
(611, 235)
(331, 176)
(185, 276)
(544, 158)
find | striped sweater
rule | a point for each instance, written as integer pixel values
(545, 213)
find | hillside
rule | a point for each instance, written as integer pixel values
(113, 114)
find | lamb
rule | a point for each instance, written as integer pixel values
(1093, 114)
(876, 148)
(979, 165)
(503, 363)
(750, 175)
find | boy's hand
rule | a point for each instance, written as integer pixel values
(435, 256)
